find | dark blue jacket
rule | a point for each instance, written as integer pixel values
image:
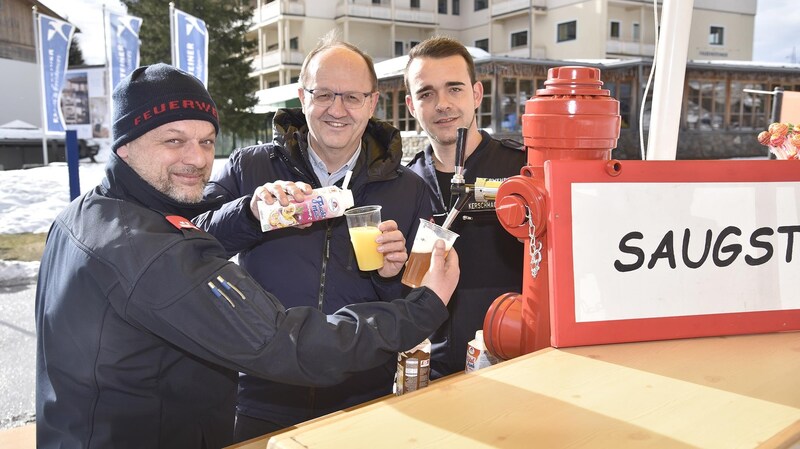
(314, 266)
(491, 259)
(135, 349)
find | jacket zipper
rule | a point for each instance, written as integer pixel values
(326, 253)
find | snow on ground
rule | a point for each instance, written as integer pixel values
(31, 198)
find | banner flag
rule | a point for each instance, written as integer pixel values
(190, 44)
(123, 49)
(54, 38)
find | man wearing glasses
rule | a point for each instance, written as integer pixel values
(315, 265)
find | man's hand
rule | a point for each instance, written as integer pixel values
(280, 191)
(392, 244)
(442, 276)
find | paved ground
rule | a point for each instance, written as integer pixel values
(17, 355)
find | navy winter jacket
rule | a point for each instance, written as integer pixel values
(142, 323)
(314, 266)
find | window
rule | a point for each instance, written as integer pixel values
(414, 4)
(483, 44)
(519, 39)
(405, 121)
(715, 36)
(484, 118)
(293, 43)
(376, 2)
(398, 48)
(705, 106)
(481, 4)
(748, 111)
(623, 92)
(567, 31)
(385, 108)
(635, 32)
(613, 30)
(515, 93)
(412, 44)
(456, 7)
(442, 6)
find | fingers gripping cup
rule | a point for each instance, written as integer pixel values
(420, 259)
(363, 224)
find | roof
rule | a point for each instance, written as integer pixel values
(19, 130)
(395, 66)
(40, 7)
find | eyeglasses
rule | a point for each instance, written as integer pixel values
(325, 98)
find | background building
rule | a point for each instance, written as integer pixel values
(19, 74)
(524, 38)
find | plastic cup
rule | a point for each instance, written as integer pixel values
(419, 261)
(363, 225)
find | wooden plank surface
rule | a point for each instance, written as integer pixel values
(717, 392)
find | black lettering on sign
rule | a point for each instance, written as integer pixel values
(724, 249)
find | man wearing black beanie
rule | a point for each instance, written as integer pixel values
(142, 321)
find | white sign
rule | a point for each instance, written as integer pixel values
(650, 250)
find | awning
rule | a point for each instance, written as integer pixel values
(272, 99)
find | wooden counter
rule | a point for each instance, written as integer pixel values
(717, 392)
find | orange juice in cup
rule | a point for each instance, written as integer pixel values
(363, 225)
(366, 248)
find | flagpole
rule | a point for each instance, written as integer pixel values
(38, 44)
(108, 72)
(172, 34)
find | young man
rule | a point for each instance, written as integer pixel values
(315, 146)
(142, 321)
(443, 95)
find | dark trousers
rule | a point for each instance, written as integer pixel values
(247, 428)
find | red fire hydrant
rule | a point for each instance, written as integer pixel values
(571, 118)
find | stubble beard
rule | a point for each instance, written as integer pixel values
(182, 194)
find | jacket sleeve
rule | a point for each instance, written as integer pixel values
(233, 224)
(209, 307)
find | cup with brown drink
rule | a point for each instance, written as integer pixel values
(420, 258)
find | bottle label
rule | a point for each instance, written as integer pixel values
(323, 203)
(413, 369)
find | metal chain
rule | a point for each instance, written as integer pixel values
(535, 249)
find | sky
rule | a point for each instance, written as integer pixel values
(775, 36)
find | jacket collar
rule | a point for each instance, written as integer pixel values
(122, 182)
(381, 145)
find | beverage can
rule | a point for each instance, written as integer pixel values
(477, 355)
(413, 368)
(321, 204)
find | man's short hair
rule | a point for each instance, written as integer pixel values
(331, 40)
(439, 47)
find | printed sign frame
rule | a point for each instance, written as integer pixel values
(566, 330)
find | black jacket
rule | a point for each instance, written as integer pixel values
(314, 266)
(491, 259)
(143, 323)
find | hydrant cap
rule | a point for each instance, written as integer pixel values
(573, 80)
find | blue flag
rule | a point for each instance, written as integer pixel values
(123, 48)
(190, 45)
(54, 38)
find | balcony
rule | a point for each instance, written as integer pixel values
(629, 48)
(500, 7)
(271, 11)
(384, 11)
(364, 9)
(414, 15)
(272, 59)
